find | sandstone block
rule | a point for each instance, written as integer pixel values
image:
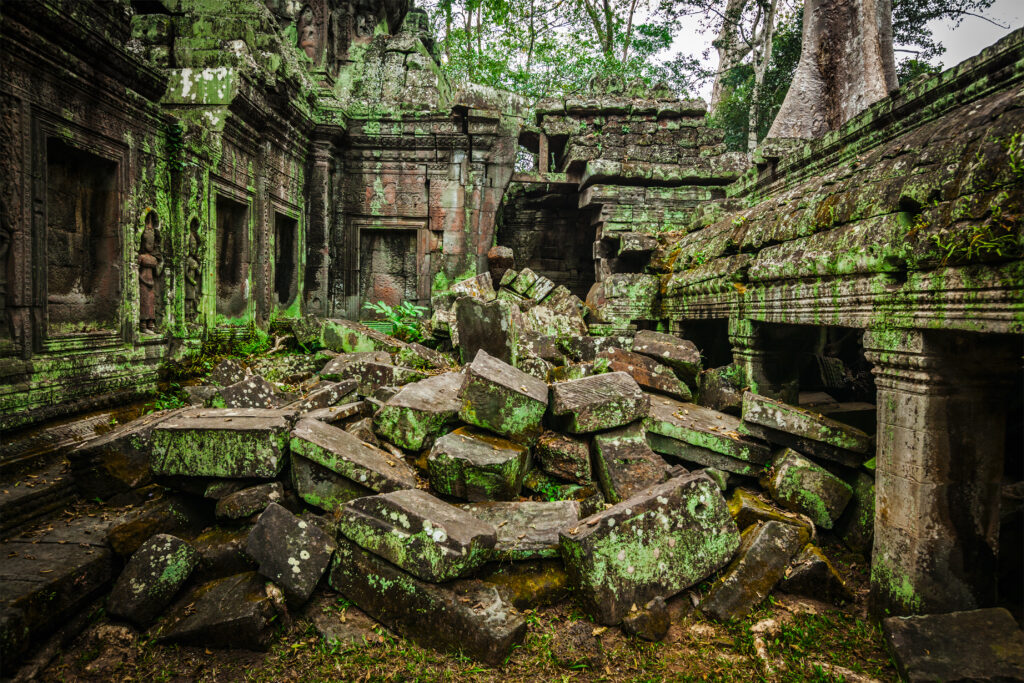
(681, 355)
(349, 456)
(476, 466)
(564, 457)
(502, 399)
(526, 530)
(625, 464)
(153, 576)
(248, 502)
(647, 372)
(600, 402)
(797, 484)
(290, 552)
(421, 411)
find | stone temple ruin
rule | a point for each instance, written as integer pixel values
(649, 362)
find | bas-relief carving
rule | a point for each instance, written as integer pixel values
(193, 273)
(150, 272)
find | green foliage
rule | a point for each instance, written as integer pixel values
(405, 319)
(167, 400)
(910, 69)
(910, 20)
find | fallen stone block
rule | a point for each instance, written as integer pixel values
(721, 389)
(326, 395)
(363, 430)
(420, 357)
(813, 576)
(336, 414)
(523, 281)
(748, 509)
(976, 645)
(334, 368)
(540, 289)
(526, 530)
(647, 372)
(419, 533)
(117, 461)
(248, 502)
(369, 374)
(467, 616)
(290, 552)
(650, 622)
(804, 430)
(477, 466)
(659, 542)
(600, 402)
(681, 355)
(797, 484)
(502, 399)
(350, 457)
(625, 464)
(704, 436)
(346, 336)
(545, 486)
(199, 394)
(251, 392)
(586, 349)
(420, 412)
(227, 372)
(564, 373)
(234, 612)
(222, 553)
(323, 488)
(636, 243)
(480, 287)
(173, 514)
(153, 576)
(764, 553)
(720, 477)
(564, 457)
(500, 260)
(493, 327)
(224, 443)
(546, 321)
(856, 526)
(530, 584)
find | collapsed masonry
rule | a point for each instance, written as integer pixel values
(197, 170)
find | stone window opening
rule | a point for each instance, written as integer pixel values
(83, 244)
(286, 259)
(232, 257)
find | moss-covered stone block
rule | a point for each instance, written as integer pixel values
(799, 485)
(420, 411)
(474, 465)
(564, 457)
(153, 576)
(503, 399)
(526, 530)
(625, 464)
(597, 403)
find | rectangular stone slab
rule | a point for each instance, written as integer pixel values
(474, 465)
(526, 530)
(659, 542)
(503, 399)
(420, 412)
(321, 487)
(351, 457)
(666, 445)
(564, 457)
(624, 462)
(227, 443)
(599, 402)
(681, 355)
(647, 372)
(466, 616)
(805, 430)
(700, 426)
(423, 535)
(802, 486)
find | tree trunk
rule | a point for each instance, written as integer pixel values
(846, 65)
(762, 58)
(730, 50)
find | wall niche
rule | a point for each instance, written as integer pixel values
(232, 257)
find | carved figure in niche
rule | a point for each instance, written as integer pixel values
(150, 270)
(366, 18)
(307, 33)
(193, 273)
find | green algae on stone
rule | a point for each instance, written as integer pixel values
(503, 399)
(625, 464)
(476, 466)
(659, 542)
(597, 403)
(350, 457)
(420, 412)
(798, 484)
(422, 534)
(706, 429)
(153, 576)
(321, 487)
(748, 509)
(224, 443)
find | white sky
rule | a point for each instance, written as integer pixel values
(967, 40)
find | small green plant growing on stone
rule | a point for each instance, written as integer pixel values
(167, 400)
(405, 319)
(548, 490)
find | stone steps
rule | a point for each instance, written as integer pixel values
(28, 496)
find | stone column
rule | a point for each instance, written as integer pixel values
(766, 372)
(941, 432)
(316, 295)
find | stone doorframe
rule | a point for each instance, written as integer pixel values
(421, 228)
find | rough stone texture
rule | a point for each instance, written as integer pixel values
(233, 612)
(362, 429)
(480, 287)
(173, 514)
(498, 397)
(227, 372)
(336, 414)
(466, 616)
(477, 466)
(679, 354)
(625, 464)
(227, 443)
(336, 367)
(493, 327)
(153, 576)
(650, 622)
(347, 455)
(812, 575)
(721, 389)
(290, 552)
(419, 533)
(977, 645)
(222, 553)
(764, 553)
(747, 509)
(370, 373)
(704, 436)
(325, 395)
(251, 392)
(530, 584)
(798, 484)
(564, 457)
(805, 430)
(857, 524)
(322, 487)
(248, 502)
(421, 357)
(117, 461)
(526, 530)
(659, 542)
(421, 411)
(648, 373)
(600, 402)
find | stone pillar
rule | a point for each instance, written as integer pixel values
(941, 432)
(765, 371)
(316, 293)
(542, 153)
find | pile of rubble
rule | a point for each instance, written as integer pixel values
(424, 491)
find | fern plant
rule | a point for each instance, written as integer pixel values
(405, 318)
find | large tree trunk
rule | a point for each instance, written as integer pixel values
(846, 64)
(731, 50)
